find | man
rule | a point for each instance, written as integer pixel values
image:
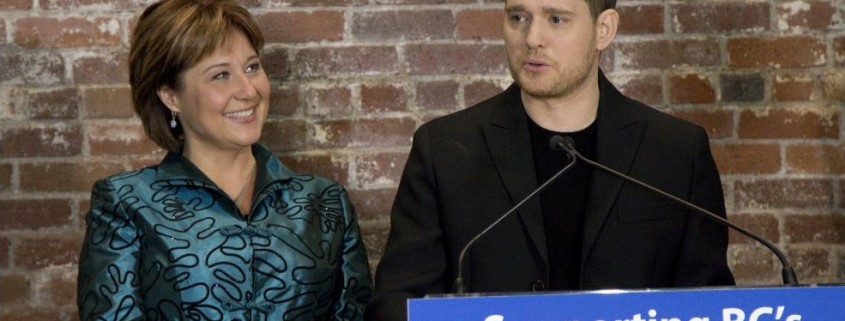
(589, 230)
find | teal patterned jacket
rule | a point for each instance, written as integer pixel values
(165, 243)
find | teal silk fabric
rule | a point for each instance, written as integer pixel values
(165, 243)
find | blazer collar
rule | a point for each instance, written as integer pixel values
(508, 143)
(619, 131)
(617, 140)
(178, 170)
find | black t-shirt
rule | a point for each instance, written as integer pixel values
(564, 202)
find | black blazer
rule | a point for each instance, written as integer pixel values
(468, 168)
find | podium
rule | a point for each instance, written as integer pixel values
(798, 303)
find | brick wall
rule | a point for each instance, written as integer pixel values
(352, 79)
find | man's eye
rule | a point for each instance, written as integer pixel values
(557, 20)
(517, 18)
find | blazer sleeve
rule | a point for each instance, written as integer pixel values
(108, 285)
(357, 285)
(703, 260)
(414, 260)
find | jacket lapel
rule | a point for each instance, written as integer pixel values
(507, 140)
(617, 140)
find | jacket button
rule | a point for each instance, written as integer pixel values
(538, 286)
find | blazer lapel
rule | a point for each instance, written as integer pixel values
(617, 140)
(507, 141)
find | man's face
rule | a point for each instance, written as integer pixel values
(551, 45)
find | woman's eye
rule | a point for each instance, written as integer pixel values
(222, 75)
(253, 67)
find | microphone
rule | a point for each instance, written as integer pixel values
(568, 144)
(459, 281)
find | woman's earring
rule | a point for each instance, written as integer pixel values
(172, 119)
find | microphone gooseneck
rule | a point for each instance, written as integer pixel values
(568, 145)
(459, 281)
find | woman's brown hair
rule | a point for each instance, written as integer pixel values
(170, 37)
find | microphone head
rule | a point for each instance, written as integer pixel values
(561, 143)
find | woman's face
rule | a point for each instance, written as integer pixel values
(224, 98)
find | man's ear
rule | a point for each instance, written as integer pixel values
(168, 97)
(607, 24)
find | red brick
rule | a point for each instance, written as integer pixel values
(718, 123)
(120, 139)
(744, 158)
(16, 289)
(647, 88)
(675, 53)
(788, 123)
(284, 101)
(440, 59)
(57, 288)
(383, 97)
(328, 101)
(5, 177)
(478, 24)
(438, 94)
(839, 51)
(763, 225)
(640, 19)
(720, 17)
(480, 90)
(276, 63)
(754, 264)
(781, 52)
(34, 214)
(691, 89)
(332, 166)
(109, 69)
(816, 229)
(41, 141)
(400, 24)
(75, 177)
(372, 204)
(284, 135)
(816, 159)
(811, 264)
(108, 102)
(46, 251)
(15, 5)
(833, 86)
(320, 62)
(31, 68)
(88, 4)
(362, 132)
(796, 193)
(325, 25)
(793, 87)
(52, 32)
(38, 313)
(402, 2)
(380, 169)
(59, 103)
(815, 15)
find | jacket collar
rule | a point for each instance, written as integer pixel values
(179, 170)
(617, 139)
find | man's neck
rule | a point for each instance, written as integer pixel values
(569, 113)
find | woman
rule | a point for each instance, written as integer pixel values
(220, 229)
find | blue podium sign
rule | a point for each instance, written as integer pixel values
(802, 303)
